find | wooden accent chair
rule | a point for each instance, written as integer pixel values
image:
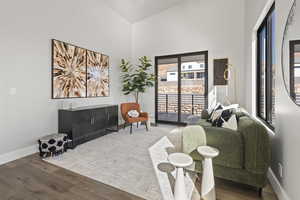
(143, 117)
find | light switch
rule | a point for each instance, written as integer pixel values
(12, 91)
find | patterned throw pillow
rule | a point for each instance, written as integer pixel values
(133, 113)
(224, 116)
(231, 123)
(215, 113)
(216, 117)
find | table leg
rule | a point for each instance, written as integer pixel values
(208, 182)
(179, 191)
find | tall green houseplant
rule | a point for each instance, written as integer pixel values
(136, 79)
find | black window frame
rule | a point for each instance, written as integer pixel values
(293, 43)
(178, 57)
(267, 25)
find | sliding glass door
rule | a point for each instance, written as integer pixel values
(167, 89)
(181, 86)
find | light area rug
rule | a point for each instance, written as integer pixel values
(120, 160)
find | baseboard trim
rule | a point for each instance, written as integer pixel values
(19, 153)
(278, 189)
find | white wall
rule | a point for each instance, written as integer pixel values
(285, 142)
(288, 115)
(26, 30)
(195, 25)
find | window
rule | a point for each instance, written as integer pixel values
(182, 96)
(200, 75)
(190, 66)
(266, 69)
(189, 75)
(295, 70)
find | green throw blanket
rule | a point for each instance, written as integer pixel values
(192, 141)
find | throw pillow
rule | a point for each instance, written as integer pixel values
(217, 107)
(133, 113)
(225, 116)
(232, 106)
(231, 123)
(216, 116)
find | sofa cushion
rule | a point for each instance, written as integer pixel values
(228, 142)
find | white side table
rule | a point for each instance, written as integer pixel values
(208, 183)
(180, 161)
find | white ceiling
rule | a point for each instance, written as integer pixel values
(135, 10)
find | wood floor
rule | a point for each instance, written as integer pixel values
(30, 178)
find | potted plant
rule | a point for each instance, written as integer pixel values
(136, 79)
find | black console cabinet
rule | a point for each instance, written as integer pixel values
(87, 123)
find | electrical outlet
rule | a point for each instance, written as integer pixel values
(280, 170)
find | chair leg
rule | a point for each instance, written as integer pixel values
(124, 126)
(137, 124)
(260, 190)
(131, 128)
(146, 124)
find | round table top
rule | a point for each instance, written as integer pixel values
(180, 160)
(208, 152)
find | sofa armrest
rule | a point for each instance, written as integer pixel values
(257, 145)
(204, 114)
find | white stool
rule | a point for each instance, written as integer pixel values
(208, 183)
(180, 161)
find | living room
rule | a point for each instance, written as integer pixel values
(198, 60)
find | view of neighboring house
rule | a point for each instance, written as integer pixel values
(189, 71)
(192, 87)
(192, 77)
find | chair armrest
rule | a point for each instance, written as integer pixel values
(144, 114)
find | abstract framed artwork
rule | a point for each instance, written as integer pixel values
(97, 75)
(68, 71)
(105, 75)
(77, 72)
